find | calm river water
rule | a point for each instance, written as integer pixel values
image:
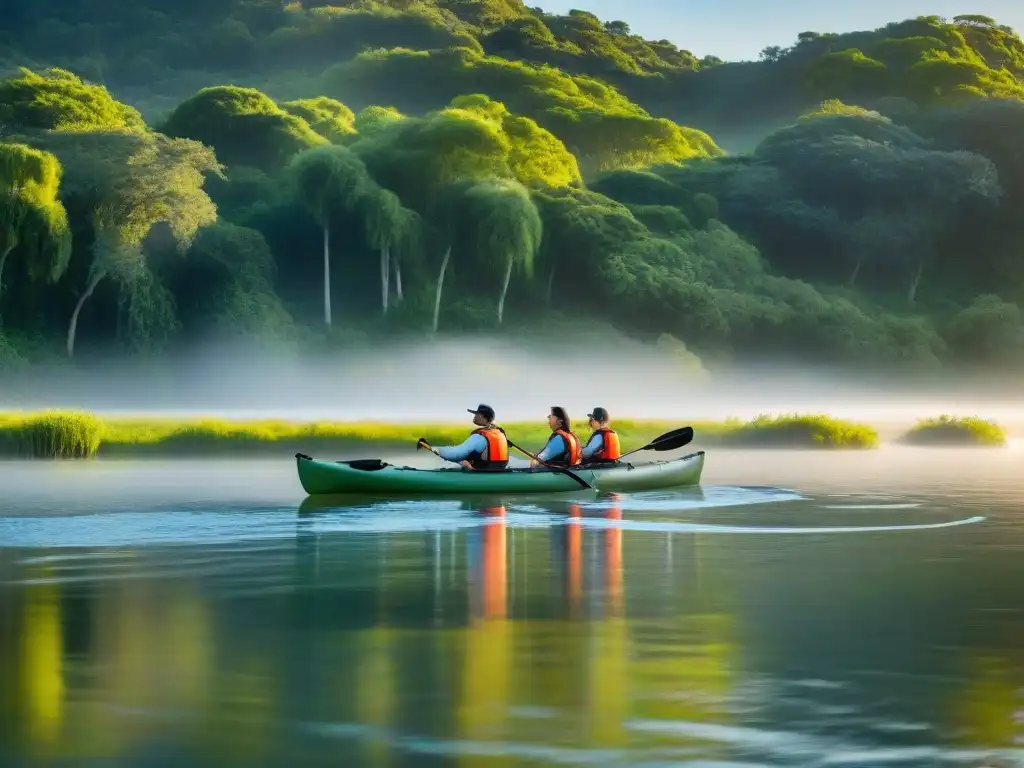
(800, 609)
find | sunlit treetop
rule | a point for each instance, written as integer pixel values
(328, 117)
(58, 99)
(245, 127)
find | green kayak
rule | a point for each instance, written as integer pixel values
(375, 476)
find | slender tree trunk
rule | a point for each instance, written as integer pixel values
(440, 285)
(327, 277)
(399, 295)
(504, 291)
(73, 328)
(551, 285)
(3, 260)
(856, 271)
(385, 277)
(915, 280)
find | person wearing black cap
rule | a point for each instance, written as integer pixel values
(563, 447)
(485, 448)
(603, 444)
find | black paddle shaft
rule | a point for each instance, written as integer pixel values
(583, 483)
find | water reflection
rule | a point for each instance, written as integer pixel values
(506, 633)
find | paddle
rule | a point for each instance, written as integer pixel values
(583, 483)
(669, 441)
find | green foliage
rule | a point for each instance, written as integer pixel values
(329, 181)
(32, 219)
(125, 184)
(602, 128)
(535, 156)
(795, 431)
(874, 225)
(11, 360)
(50, 435)
(987, 331)
(58, 99)
(953, 431)
(328, 117)
(505, 227)
(253, 314)
(244, 126)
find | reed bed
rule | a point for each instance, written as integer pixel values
(50, 435)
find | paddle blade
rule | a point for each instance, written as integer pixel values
(670, 441)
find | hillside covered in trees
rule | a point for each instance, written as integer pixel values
(303, 173)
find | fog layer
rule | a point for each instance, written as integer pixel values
(437, 381)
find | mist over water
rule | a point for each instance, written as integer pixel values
(436, 380)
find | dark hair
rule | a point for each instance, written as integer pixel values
(559, 413)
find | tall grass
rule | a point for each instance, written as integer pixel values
(953, 431)
(81, 435)
(50, 435)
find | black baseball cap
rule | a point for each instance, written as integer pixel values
(598, 414)
(484, 410)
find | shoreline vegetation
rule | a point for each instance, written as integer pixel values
(80, 435)
(955, 431)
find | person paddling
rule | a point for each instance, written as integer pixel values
(485, 448)
(563, 447)
(603, 445)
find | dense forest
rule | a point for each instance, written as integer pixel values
(312, 175)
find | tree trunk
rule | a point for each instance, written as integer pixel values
(73, 328)
(440, 285)
(399, 295)
(551, 285)
(385, 277)
(327, 277)
(915, 280)
(504, 291)
(3, 260)
(856, 271)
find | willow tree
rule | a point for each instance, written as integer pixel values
(505, 227)
(329, 181)
(445, 217)
(414, 157)
(127, 183)
(392, 230)
(32, 219)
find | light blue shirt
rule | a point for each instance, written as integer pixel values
(556, 447)
(596, 444)
(474, 444)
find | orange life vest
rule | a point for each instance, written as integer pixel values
(610, 450)
(570, 457)
(496, 454)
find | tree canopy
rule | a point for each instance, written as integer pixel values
(295, 172)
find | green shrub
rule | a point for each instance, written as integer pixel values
(795, 431)
(952, 431)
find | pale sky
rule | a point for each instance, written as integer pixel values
(739, 29)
